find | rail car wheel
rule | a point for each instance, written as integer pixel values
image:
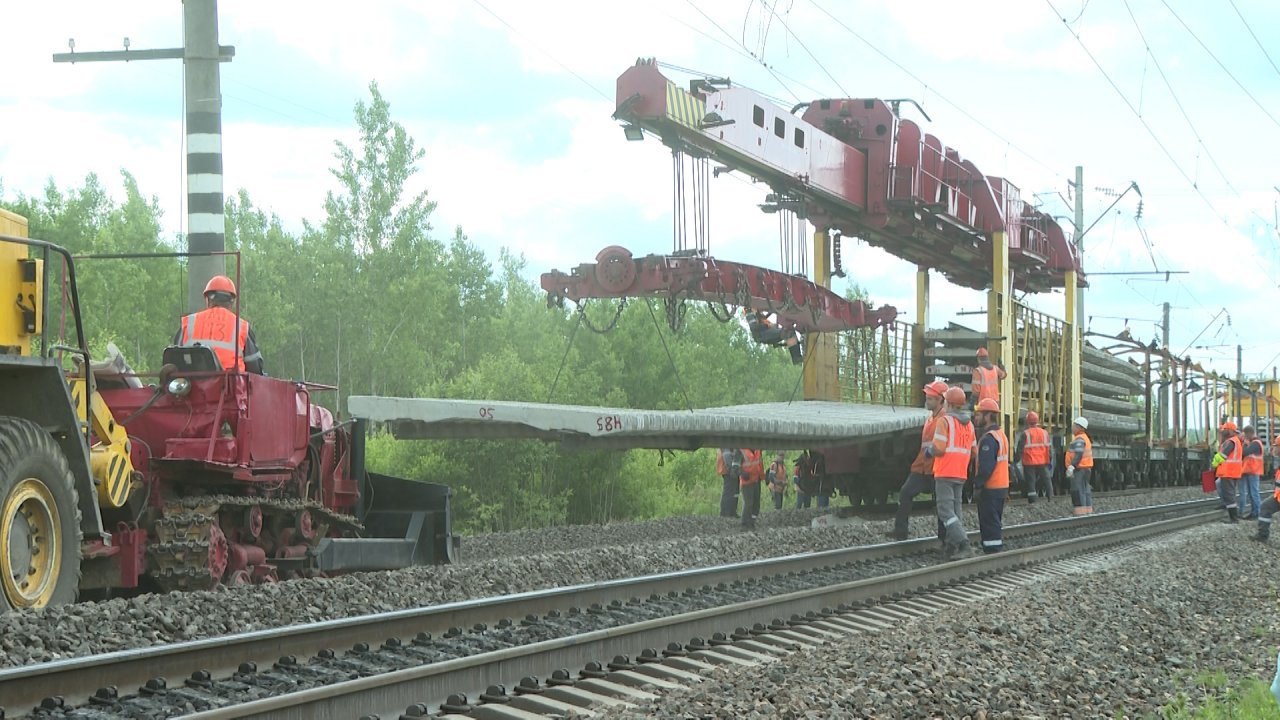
(39, 519)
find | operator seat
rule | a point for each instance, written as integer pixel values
(197, 358)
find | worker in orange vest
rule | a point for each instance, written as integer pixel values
(1034, 453)
(751, 477)
(215, 328)
(1080, 467)
(952, 448)
(1229, 464)
(991, 482)
(1250, 475)
(1272, 503)
(986, 378)
(920, 477)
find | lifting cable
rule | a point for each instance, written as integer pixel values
(697, 183)
(658, 329)
(563, 358)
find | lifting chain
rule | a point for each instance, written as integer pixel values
(582, 308)
(675, 307)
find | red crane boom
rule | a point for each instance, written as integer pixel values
(855, 166)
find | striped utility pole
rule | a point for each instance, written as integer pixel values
(201, 55)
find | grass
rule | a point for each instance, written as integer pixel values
(1251, 700)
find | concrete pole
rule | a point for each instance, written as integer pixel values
(205, 222)
(1165, 375)
(1236, 392)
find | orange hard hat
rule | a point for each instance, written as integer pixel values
(1228, 426)
(1032, 418)
(222, 284)
(954, 396)
(937, 388)
(988, 405)
(982, 352)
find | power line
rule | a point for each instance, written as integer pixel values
(805, 47)
(1221, 65)
(741, 52)
(743, 45)
(539, 48)
(1137, 114)
(1261, 47)
(1176, 100)
(939, 95)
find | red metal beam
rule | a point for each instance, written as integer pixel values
(798, 303)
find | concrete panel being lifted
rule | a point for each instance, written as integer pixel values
(772, 425)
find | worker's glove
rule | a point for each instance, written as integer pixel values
(1000, 363)
(1218, 459)
(1070, 471)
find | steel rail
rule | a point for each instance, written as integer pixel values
(388, 694)
(76, 679)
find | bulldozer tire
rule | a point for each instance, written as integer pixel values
(39, 519)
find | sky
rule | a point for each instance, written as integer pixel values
(511, 102)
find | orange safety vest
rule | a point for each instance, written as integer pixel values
(1233, 467)
(999, 479)
(954, 462)
(1251, 465)
(1277, 493)
(1086, 459)
(1035, 451)
(986, 384)
(212, 328)
(923, 464)
(752, 467)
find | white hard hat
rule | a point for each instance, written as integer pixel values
(1082, 421)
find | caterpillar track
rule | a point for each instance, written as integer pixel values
(204, 541)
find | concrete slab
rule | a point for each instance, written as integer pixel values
(775, 425)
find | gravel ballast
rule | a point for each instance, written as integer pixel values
(1124, 642)
(88, 628)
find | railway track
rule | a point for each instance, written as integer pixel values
(425, 655)
(925, 505)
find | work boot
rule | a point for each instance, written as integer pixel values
(895, 535)
(1233, 516)
(961, 552)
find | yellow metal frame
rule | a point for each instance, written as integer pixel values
(1000, 324)
(820, 369)
(109, 460)
(22, 317)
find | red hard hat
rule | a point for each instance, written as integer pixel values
(937, 388)
(954, 396)
(988, 405)
(982, 352)
(1032, 418)
(222, 284)
(1228, 425)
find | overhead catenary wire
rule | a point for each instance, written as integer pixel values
(1141, 120)
(971, 117)
(1254, 35)
(540, 49)
(1230, 74)
(1176, 100)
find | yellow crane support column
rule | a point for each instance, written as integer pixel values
(1072, 330)
(918, 375)
(821, 374)
(1000, 341)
